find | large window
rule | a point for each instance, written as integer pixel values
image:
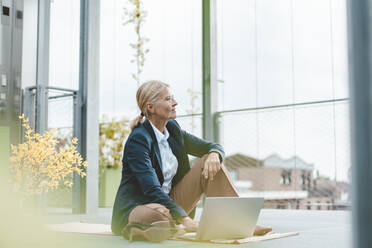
(272, 57)
(174, 55)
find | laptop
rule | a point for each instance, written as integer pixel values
(227, 218)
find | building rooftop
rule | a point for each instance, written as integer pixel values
(273, 161)
(240, 160)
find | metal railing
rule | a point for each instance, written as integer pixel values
(62, 110)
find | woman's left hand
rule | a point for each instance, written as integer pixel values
(211, 165)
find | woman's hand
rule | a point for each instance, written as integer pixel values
(189, 224)
(211, 165)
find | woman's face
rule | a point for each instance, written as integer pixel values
(165, 107)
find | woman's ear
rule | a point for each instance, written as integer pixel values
(150, 108)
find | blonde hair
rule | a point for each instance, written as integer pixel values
(148, 92)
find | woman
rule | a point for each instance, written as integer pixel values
(158, 189)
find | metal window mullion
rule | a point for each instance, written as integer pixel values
(42, 67)
(209, 63)
(77, 182)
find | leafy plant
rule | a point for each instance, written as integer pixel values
(136, 15)
(41, 163)
(111, 136)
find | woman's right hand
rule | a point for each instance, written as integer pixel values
(189, 224)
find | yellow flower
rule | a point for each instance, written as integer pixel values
(38, 165)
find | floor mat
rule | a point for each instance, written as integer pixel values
(268, 236)
(82, 227)
(104, 229)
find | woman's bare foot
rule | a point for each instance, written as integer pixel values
(262, 230)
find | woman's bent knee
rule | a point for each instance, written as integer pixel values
(149, 213)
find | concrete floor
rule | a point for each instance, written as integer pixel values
(317, 229)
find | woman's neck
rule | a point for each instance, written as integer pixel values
(159, 124)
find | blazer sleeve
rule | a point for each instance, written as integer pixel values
(199, 147)
(139, 162)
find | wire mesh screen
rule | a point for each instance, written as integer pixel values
(60, 110)
(61, 118)
(295, 157)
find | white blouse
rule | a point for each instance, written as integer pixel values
(169, 161)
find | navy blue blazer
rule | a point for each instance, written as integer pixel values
(142, 175)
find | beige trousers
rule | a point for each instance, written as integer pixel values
(186, 194)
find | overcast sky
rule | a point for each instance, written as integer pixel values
(270, 52)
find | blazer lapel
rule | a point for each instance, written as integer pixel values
(175, 133)
(148, 127)
(175, 148)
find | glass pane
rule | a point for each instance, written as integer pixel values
(273, 54)
(64, 44)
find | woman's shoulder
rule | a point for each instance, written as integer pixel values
(138, 137)
(139, 132)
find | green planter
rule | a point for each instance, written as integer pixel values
(109, 182)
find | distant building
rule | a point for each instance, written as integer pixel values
(284, 183)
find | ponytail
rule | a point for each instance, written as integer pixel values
(136, 122)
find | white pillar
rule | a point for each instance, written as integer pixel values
(89, 97)
(360, 81)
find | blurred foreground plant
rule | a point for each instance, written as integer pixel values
(39, 164)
